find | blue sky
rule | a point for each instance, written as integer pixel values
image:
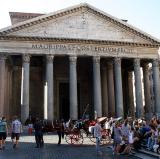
(143, 14)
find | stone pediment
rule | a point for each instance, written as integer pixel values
(79, 22)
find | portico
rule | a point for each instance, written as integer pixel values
(44, 71)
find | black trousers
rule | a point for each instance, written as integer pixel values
(39, 139)
(60, 135)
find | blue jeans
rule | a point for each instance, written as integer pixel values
(98, 144)
(151, 142)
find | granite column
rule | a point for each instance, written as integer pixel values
(97, 86)
(73, 87)
(25, 88)
(50, 87)
(138, 88)
(118, 87)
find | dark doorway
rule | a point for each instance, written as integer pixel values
(64, 101)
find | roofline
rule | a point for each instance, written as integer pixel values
(68, 10)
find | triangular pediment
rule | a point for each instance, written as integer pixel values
(79, 22)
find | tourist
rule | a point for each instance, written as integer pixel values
(3, 132)
(16, 128)
(30, 128)
(38, 133)
(60, 130)
(117, 137)
(98, 136)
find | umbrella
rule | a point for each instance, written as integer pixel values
(101, 119)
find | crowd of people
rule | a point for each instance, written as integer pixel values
(126, 134)
(131, 134)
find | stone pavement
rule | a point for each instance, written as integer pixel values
(51, 150)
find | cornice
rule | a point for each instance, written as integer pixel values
(83, 41)
(80, 7)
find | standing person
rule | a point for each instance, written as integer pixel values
(30, 128)
(98, 136)
(117, 137)
(16, 128)
(3, 132)
(38, 133)
(60, 130)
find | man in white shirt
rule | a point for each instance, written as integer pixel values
(98, 136)
(16, 128)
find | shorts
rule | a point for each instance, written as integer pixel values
(15, 135)
(3, 135)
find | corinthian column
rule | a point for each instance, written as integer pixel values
(156, 86)
(50, 87)
(111, 96)
(118, 87)
(138, 88)
(25, 88)
(97, 86)
(2, 83)
(73, 87)
(130, 95)
(147, 95)
(104, 92)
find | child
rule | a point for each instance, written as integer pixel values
(30, 128)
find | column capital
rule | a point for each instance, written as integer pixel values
(117, 61)
(50, 58)
(96, 59)
(26, 58)
(3, 57)
(137, 62)
(155, 63)
(73, 58)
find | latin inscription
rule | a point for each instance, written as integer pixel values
(69, 47)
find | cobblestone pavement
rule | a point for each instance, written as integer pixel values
(51, 150)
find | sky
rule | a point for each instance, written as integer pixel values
(143, 14)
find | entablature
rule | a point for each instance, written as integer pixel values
(78, 47)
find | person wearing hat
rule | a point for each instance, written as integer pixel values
(3, 132)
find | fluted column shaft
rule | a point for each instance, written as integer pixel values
(156, 86)
(97, 86)
(50, 87)
(104, 92)
(138, 88)
(25, 88)
(2, 83)
(73, 87)
(118, 87)
(147, 95)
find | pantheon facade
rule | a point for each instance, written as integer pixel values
(74, 62)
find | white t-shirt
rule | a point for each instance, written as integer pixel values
(97, 131)
(16, 126)
(131, 137)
